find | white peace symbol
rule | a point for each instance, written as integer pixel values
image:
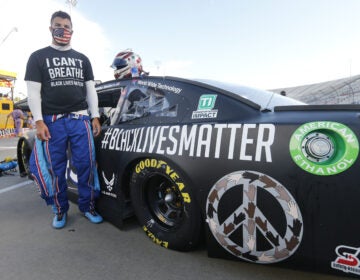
(251, 218)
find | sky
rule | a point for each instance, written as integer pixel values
(265, 44)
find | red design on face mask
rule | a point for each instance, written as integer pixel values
(62, 36)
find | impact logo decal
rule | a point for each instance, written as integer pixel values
(324, 148)
(254, 217)
(347, 259)
(205, 107)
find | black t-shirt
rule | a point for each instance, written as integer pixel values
(62, 75)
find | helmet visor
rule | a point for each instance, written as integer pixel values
(119, 63)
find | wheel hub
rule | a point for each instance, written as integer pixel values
(318, 147)
(169, 198)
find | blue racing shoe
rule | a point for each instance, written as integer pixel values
(93, 217)
(59, 220)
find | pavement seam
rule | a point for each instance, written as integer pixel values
(13, 187)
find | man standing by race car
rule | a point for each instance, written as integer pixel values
(61, 90)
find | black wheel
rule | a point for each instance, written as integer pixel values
(165, 206)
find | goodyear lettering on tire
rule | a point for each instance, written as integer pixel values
(156, 240)
(163, 166)
(346, 148)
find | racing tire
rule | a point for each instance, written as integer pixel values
(165, 206)
(24, 153)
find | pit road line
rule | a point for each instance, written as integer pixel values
(13, 187)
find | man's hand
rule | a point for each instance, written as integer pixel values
(96, 126)
(42, 131)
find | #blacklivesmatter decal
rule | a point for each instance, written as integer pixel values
(230, 141)
(253, 231)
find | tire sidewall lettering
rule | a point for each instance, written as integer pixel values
(146, 164)
(156, 240)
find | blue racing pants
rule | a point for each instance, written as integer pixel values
(48, 161)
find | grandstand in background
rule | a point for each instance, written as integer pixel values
(342, 91)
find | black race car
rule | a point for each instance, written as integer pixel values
(260, 177)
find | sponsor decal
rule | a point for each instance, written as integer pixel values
(346, 148)
(248, 231)
(347, 259)
(207, 102)
(107, 86)
(158, 85)
(204, 114)
(109, 185)
(245, 142)
(205, 107)
(104, 192)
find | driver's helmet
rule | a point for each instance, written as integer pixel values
(124, 61)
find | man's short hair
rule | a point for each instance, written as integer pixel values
(60, 14)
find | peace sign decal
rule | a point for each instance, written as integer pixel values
(264, 226)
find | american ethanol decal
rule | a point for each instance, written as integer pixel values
(324, 148)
